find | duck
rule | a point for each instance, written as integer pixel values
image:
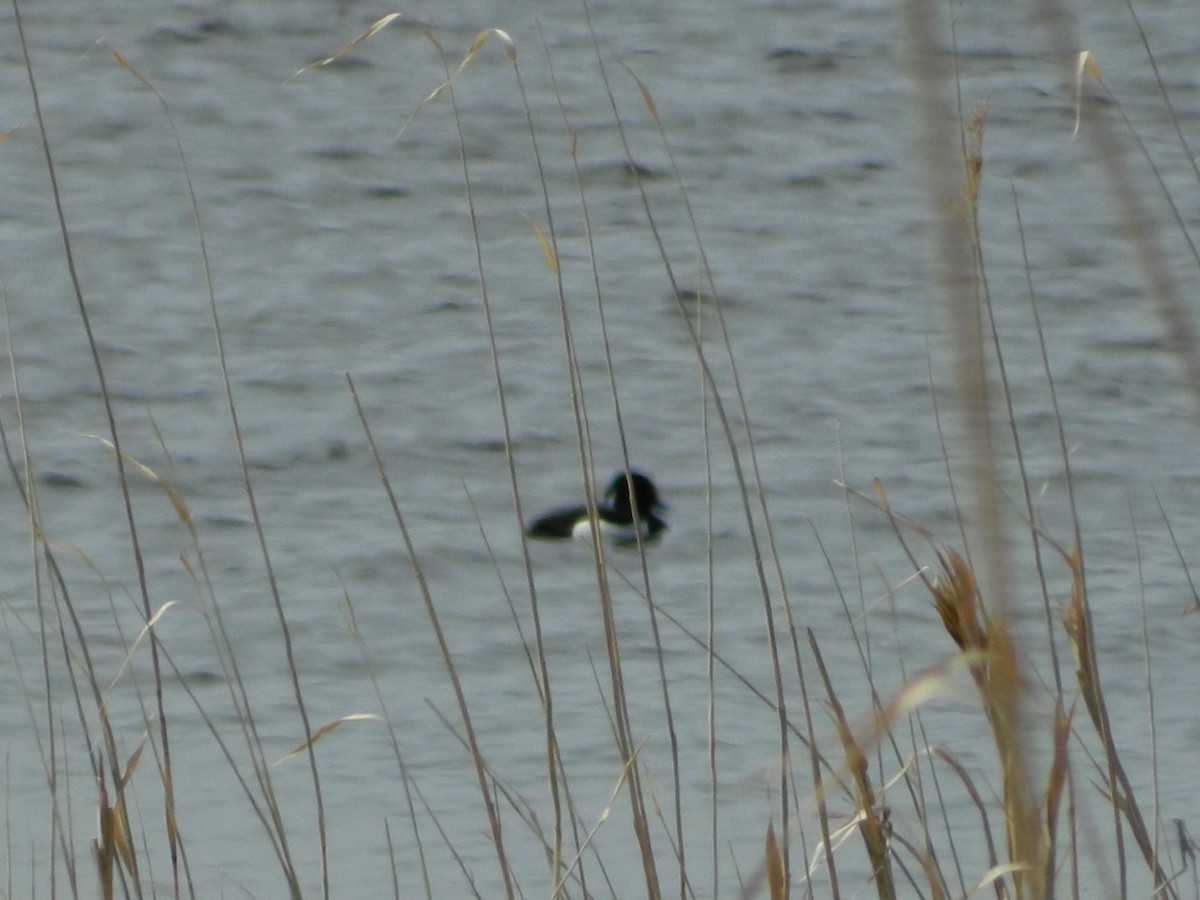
(614, 514)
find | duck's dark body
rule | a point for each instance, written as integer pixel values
(615, 513)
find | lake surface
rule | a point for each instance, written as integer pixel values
(340, 241)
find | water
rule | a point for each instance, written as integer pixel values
(339, 245)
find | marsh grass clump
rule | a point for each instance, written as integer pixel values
(864, 784)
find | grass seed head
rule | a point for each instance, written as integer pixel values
(955, 596)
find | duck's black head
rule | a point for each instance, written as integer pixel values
(645, 495)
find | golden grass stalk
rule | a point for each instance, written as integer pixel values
(749, 480)
(968, 783)
(276, 832)
(443, 646)
(353, 44)
(1077, 622)
(111, 843)
(987, 643)
(776, 874)
(1056, 781)
(871, 823)
(82, 310)
(957, 594)
(541, 674)
(327, 728)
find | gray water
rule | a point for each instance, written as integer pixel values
(341, 244)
